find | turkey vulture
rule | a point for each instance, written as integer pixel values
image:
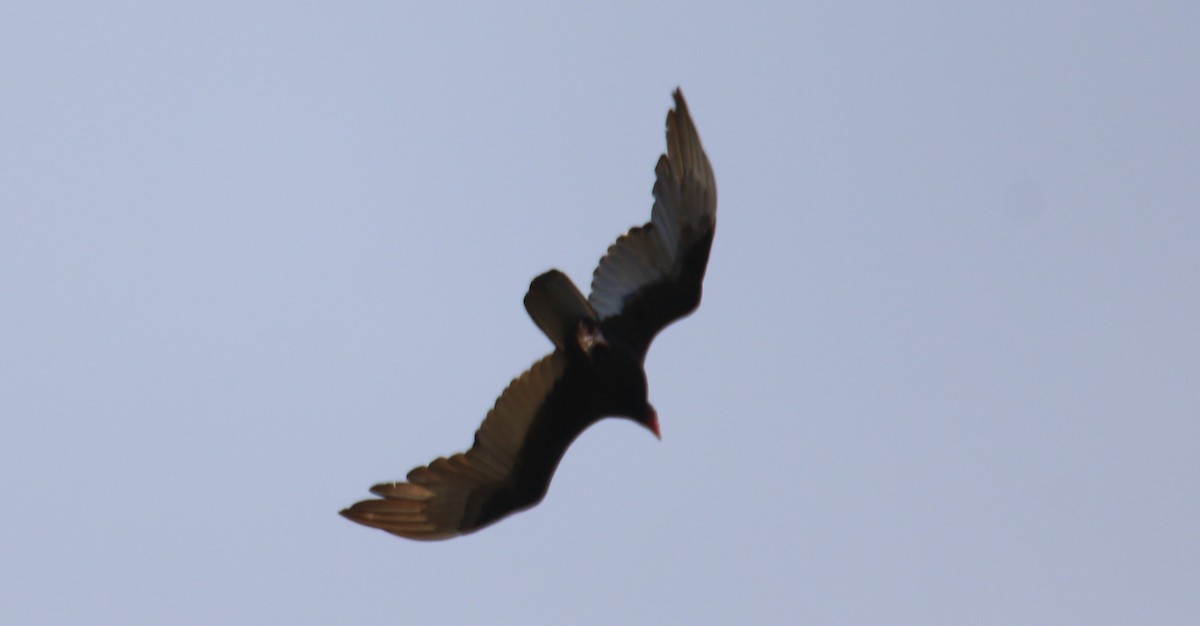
(649, 278)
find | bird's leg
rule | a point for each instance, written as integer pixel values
(588, 334)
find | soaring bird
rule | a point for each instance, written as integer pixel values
(649, 278)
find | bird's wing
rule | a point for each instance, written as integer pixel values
(652, 275)
(454, 495)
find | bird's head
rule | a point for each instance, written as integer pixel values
(648, 417)
(623, 384)
(638, 405)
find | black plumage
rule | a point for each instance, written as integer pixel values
(649, 278)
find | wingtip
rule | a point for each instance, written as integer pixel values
(685, 150)
(680, 102)
(681, 108)
(356, 515)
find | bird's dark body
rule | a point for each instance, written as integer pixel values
(652, 276)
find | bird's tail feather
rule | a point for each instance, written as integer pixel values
(556, 306)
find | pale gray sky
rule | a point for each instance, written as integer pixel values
(257, 257)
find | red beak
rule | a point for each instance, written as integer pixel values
(651, 423)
